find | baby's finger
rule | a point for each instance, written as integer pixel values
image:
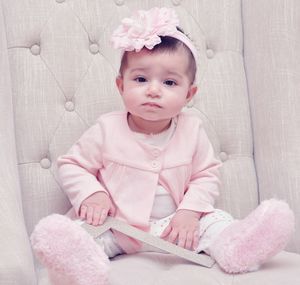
(96, 216)
(196, 240)
(182, 239)
(103, 216)
(166, 231)
(83, 210)
(189, 240)
(173, 236)
(89, 215)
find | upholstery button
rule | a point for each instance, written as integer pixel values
(119, 2)
(176, 2)
(60, 1)
(35, 49)
(223, 156)
(94, 48)
(69, 106)
(210, 53)
(45, 163)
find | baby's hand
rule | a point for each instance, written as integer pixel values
(95, 208)
(183, 229)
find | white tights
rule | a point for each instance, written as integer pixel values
(210, 226)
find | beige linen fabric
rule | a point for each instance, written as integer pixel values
(164, 269)
(16, 262)
(272, 61)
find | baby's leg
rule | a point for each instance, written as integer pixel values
(240, 245)
(156, 229)
(245, 244)
(69, 253)
(109, 244)
(209, 227)
(107, 241)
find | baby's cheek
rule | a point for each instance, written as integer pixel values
(129, 101)
(176, 106)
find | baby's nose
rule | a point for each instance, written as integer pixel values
(154, 89)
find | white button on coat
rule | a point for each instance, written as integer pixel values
(155, 164)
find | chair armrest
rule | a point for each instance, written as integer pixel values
(16, 261)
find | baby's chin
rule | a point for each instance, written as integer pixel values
(162, 115)
(154, 118)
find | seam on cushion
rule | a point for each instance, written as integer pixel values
(53, 75)
(249, 104)
(79, 20)
(236, 156)
(28, 162)
(55, 130)
(198, 24)
(57, 182)
(82, 79)
(81, 118)
(46, 22)
(88, 35)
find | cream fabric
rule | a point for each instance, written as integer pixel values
(16, 262)
(60, 78)
(163, 269)
(272, 55)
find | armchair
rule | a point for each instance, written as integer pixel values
(57, 77)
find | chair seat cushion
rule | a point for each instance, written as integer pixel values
(151, 268)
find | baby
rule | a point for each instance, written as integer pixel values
(153, 165)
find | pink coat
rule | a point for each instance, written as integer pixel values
(109, 158)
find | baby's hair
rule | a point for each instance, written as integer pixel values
(168, 44)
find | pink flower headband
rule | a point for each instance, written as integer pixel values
(144, 29)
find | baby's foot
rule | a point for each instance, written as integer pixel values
(246, 244)
(69, 252)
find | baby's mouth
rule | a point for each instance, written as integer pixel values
(152, 104)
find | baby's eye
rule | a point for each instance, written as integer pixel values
(170, 82)
(140, 79)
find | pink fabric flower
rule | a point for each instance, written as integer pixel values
(144, 29)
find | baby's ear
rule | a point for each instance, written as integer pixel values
(119, 83)
(191, 93)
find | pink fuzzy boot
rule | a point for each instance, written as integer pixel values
(246, 244)
(70, 254)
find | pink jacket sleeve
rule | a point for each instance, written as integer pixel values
(78, 169)
(204, 184)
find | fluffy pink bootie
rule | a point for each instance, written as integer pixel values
(246, 244)
(70, 254)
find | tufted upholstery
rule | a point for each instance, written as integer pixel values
(57, 77)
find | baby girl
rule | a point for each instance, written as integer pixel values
(153, 165)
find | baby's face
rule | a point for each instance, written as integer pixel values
(156, 86)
